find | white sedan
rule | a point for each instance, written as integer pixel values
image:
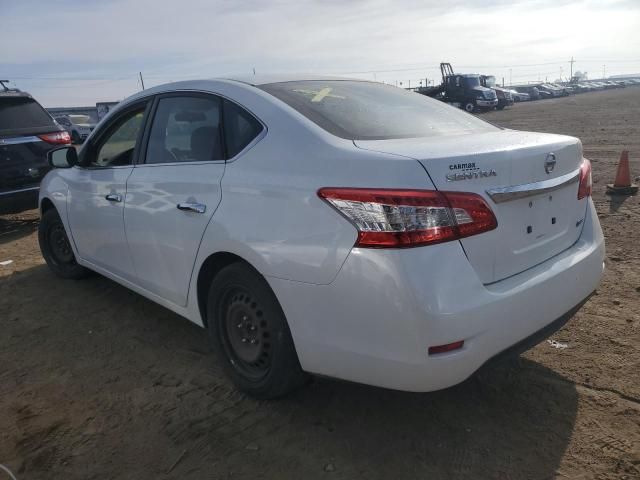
(329, 226)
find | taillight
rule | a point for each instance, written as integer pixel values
(387, 218)
(584, 189)
(56, 138)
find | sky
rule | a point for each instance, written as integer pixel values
(79, 52)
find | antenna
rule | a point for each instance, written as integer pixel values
(572, 61)
(141, 80)
(4, 87)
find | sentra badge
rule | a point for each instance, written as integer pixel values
(468, 171)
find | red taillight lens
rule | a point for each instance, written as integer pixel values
(449, 347)
(56, 138)
(584, 190)
(387, 218)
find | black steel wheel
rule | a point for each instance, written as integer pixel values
(250, 334)
(55, 247)
(246, 335)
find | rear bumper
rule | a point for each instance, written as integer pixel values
(16, 201)
(375, 322)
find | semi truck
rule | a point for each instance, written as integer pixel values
(462, 90)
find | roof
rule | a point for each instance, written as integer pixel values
(14, 94)
(264, 79)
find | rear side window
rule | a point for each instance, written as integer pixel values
(186, 129)
(240, 128)
(22, 112)
(359, 110)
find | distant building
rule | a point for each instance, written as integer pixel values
(102, 108)
(60, 111)
(96, 113)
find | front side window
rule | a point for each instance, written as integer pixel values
(118, 147)
(358, 110)
(186, 129)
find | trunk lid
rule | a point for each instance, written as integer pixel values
(533, 198)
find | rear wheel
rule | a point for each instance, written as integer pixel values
(249, 332)
(55, 247)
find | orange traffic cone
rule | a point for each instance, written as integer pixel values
(622, 184)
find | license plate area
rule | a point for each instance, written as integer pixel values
(538, 227)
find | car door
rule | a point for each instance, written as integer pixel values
(174, 191)
(97, 192)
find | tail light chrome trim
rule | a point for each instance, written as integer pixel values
(506, 194)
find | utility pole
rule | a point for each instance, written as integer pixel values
(604, 69)
(572, 61)
(510, 78)
(141, 80)
(254, 71)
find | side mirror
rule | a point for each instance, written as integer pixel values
(63, 157)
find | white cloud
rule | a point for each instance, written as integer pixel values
(170, 40)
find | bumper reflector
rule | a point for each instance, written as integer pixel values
(446, 348)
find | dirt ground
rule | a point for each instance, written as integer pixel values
(97, 382)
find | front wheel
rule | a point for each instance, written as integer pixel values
(250, 334)
(469, 107)
(56, 249)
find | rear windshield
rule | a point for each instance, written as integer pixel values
(21, 113)
(373, 111)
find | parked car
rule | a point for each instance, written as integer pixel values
(564, 90)
(78, 126)
(582, 88)
(336, 227)
(546, 93)
(550, 91)
(596, 85)
(533, 92)
(27, 133)
(519, 96)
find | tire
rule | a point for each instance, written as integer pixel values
(500, 107)
(469, 107)
(250, 334)
(75, 137)
(56, 249)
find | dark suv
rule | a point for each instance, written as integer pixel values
(27, 133)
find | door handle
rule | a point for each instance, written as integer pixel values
(192, 207)
(113, 197)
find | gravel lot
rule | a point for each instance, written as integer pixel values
(97, 382)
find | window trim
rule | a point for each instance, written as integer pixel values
(105, 129)
(141, 159)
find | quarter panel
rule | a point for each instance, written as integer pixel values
(271, 215)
